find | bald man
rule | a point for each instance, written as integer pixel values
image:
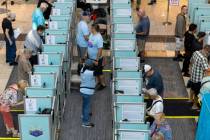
(142, 32)
(38, 17)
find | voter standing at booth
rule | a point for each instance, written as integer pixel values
(83, 35)
(24, 66)
(11, 98)
(153, 79)
(87, 89)
(33, 42)
(9, 38)
(38, 17)
(156, 107)
(94, 55)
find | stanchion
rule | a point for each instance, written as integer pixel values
(167, 16)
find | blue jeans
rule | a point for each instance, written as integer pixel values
(85, 108)
(10, 51)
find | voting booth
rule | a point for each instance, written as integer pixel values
(35, 123)
(130, 63)
(204, 122)
(126, 134)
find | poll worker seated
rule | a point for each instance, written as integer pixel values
(160, 129)
(11, 97)
(87, 89)
(153, 79)
(157, 105)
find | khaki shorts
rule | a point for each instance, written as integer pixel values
(141, 44)
(81, 51)
(179, 44)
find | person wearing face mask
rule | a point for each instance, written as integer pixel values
(11, 98)
(9, 38)
(38, 17)
(200, 66)
(189, 49)
(33, 41)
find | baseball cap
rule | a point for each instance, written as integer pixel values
(147, 68)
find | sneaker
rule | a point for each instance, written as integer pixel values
(195, 107)
(101, 87)
(13, 63)
(88, 125)
(142, 61)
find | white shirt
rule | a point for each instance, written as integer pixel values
(157, 107)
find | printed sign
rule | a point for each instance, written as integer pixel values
(174, 2)
(53, 25)
(50, 40)
(31, 105)
(56, 12)
(36, 80)
(43, 59)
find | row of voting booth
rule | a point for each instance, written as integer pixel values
(128, 102)
(49, 80)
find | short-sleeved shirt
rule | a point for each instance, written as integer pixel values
(88, 82)
(143, 26)
(9, 96)
(156, 81)
(95, 42)
(156, 107)
(199, 65)
(205, 89)
(82, 30)
(7, 24)
(37, 18)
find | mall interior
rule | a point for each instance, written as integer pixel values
(105, 70)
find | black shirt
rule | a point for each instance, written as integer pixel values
(7, 24)
(188, 42)
(48, 10)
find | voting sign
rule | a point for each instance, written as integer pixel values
(36, 80)
(56, 12)
(43, 59)
(30, 105)
(174, 2)
(50, 39)
(53, 25)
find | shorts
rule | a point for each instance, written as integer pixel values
(99, 69)
(196, 87)
(81, 51)
(141, 44)
(179, 44)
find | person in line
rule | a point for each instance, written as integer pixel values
(94, 55)
(87, 89)
(161, 126)
(198, 43)
(152, 2)
(33, 42)
(38, 17)
(153, 79)
(200, 66)
(47, 12)
(156, 107)
(9, 38)
(180, 30)
(24, 66)
(142, 32)
(205, 83)
(83, 35)
(189, 48)
(10, 98)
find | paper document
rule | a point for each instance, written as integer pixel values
(36, 80)
(43, 59)
(133, 136)
(56, 12)
(133, 112)
(50, 39)
(17, 32)
(53, 25)
(30, 105)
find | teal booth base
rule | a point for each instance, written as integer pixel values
(123, 134)
(128, 98)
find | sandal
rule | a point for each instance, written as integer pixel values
(15, 134)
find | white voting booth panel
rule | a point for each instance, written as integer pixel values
(96, 1)
(132, 135)
(123, 28)
(120, 1)
(122, 12)
(128, 98)
(130, 64)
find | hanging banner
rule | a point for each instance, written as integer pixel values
(174, 2)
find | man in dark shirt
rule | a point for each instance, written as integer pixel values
(188, 45)
(9, 38)
(142, 32)
(154, 79)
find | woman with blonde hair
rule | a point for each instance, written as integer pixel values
(10, 98)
